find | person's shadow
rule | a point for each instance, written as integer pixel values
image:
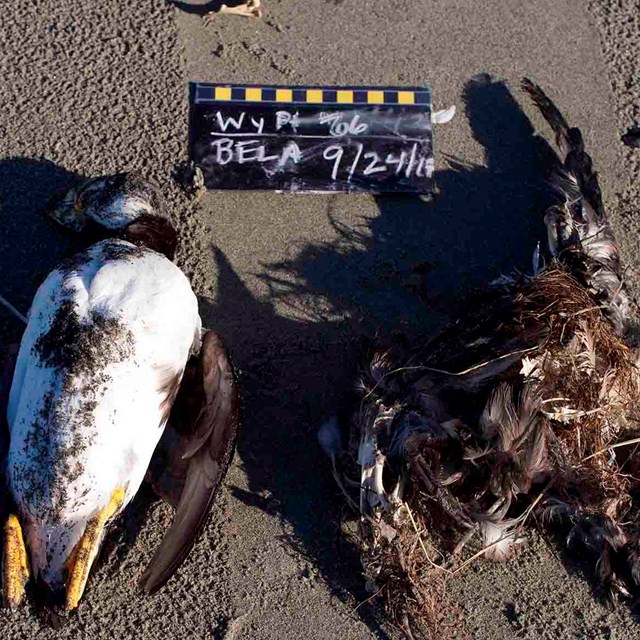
(405, 269)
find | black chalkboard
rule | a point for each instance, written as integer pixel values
(306, 139)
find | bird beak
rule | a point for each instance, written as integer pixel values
(69, 211)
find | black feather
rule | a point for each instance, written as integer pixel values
(211, 405)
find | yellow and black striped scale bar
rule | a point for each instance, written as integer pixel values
(211, 93)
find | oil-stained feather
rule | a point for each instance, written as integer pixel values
(210, 403)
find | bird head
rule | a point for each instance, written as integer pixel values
(122, 205)
(111, 202)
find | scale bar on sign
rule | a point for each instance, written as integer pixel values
(212, 93)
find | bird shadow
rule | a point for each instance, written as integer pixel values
(407, 267)
(403, 269)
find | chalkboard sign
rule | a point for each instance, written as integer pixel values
(306, 139)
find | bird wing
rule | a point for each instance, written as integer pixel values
(193, 457)
(578, 230)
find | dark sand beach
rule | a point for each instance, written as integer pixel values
(294, 282)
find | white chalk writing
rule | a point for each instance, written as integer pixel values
(226, 150)
(416, 162)
(223, 123)
(373, 166)
(339, 127)
(334, 152)
(270, 140)
(290, 153)
(237, 123)
(284, 118)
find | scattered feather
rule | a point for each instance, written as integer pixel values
(530, 367)
(537, 261)
(501, 541)
(444, 115)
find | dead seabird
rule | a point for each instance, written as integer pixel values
(113, 358)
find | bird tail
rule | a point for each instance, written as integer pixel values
(578, 231)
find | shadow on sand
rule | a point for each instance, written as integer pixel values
(30, 244)
(405, 269)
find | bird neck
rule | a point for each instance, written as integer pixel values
(153, 232)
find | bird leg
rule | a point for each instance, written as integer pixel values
(15, 566)
(87, 548)
(250, 9)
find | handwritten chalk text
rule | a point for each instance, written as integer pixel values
(226, 150)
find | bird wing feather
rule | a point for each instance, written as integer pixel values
(205, 421)
(579, 233)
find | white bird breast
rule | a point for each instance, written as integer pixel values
(107, 332)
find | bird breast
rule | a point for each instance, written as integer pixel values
(108, 337)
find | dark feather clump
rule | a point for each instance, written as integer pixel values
(523, 411)
(153, 232)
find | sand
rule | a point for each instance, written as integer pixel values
(295, 282)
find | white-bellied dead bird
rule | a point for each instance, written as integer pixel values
(523, 410)
(113, 357)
